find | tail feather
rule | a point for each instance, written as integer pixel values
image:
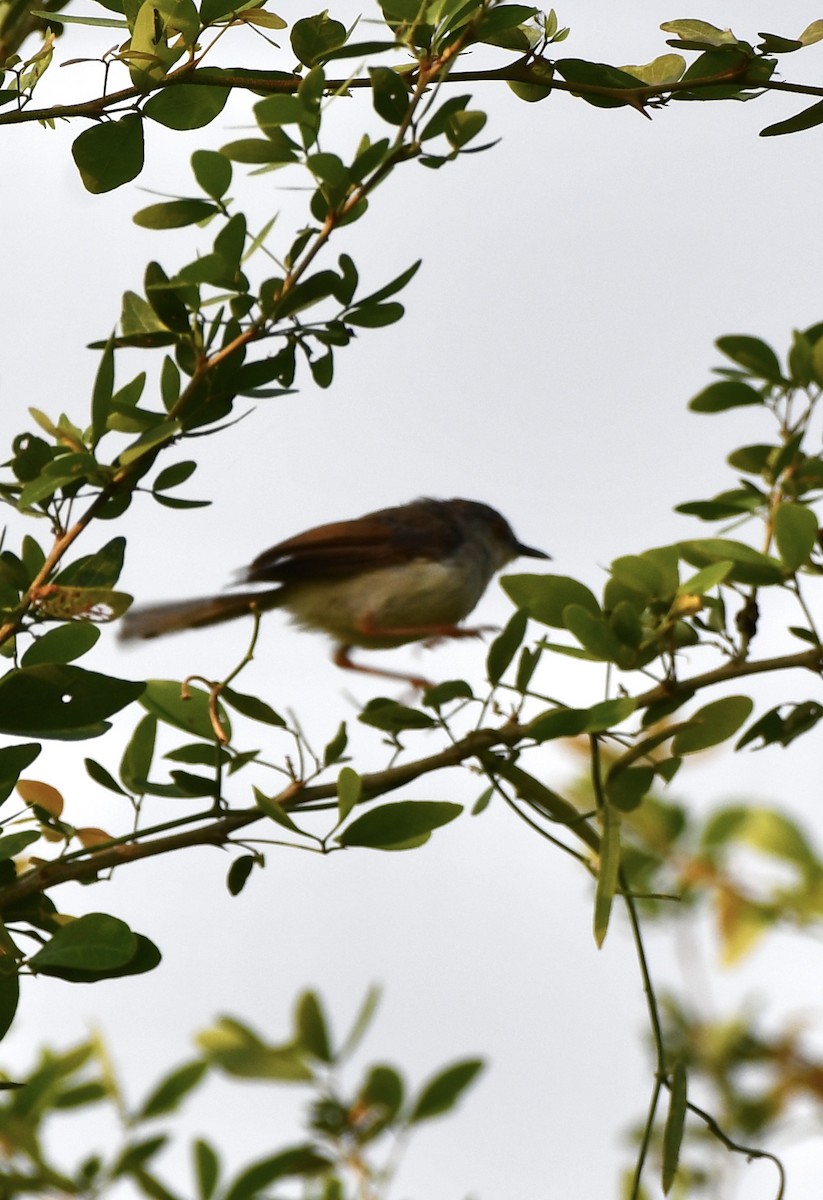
(154, 620)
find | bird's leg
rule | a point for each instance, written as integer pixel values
(342, 658)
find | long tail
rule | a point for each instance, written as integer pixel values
(154, 620)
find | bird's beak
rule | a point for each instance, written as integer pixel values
(530, 552)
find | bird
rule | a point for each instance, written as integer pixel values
(403, 574)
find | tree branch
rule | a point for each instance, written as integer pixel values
(810, 660)
(217, 831)
(266, 82)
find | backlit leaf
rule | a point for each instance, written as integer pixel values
(713, 724)
(796, 533)
(110, 153)
(398, 826)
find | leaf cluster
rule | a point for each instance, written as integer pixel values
(351, 1132)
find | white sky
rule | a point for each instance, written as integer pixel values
(574, 279)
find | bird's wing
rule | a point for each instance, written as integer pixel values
(380, 539)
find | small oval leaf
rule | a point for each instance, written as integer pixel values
(399, 826)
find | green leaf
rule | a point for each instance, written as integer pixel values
(505, 646)
(667, 68)
(441, 1094)
(138, 318)
(138, 755)
(62, 645)
(627, 787)
(186, 783)
(15, 843)
(102, 777)
(749, 566)
(296, 1161)
(578, 71)
(532, 93)
(558, 722)
(349, 790)
(463, 126)
(390, 95)
(165, 298)
(700, 32)
(213, 10)
(497, 19)
(593, 632)
(774, 834)
(252, 707)
(14, 760)
(675, 1124)
(438, 123)
(382, 1089)
(155, 45)
(753, 354)
(168, 1094)
(230, 242)
(361, 1023)
(308, 292)
(238, 1051)
(213, 172)
(608, 713)
(358, 50)
(312, 1029)
(93, 22)
(96, 943)
(259, 150)
(753, 460)
(385, 714)
(774, 727)
(719, 397)
(546, 597)
(624, 619)
(135, 764)
(399, 826)
(164, 432)
(109, 154)
(393, 286)
(642, 574)
(163, 699)
(261, 18)
(9, 999)
(728, 504)
(279, 110)
(608, 871)
(705, 580)
(53, 700)
(336, 748)
(446, 692)
(773, 43)
(796, 534)
(169, 383)
(134, 1158)
(314, 38)
(174, 475)
(174, 214)
(102, 392)
(206, 1169)
(375, 316)
(807, 119)
(239, 872)
(274, 809)
(187, 106)
(713, 724)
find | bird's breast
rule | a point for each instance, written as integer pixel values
(414, 595)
